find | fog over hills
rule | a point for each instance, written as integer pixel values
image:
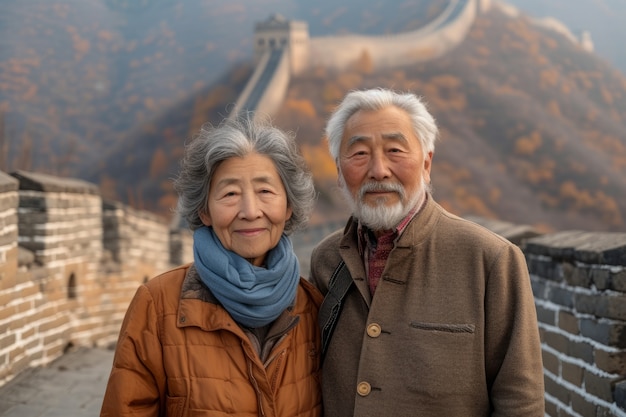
(604, 19)
(109, 90)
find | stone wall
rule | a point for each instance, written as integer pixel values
(432, 41)
(70, 264)
(427, 43)
(579, 282)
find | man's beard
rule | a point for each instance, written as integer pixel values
(381, 216)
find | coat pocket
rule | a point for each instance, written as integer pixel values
(175, 406)
(444, 327)
(432, 355)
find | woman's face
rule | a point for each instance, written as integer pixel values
(247, 206)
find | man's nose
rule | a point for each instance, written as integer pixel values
(379, 167)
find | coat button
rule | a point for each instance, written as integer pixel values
(363, 389)
(182, 319)
(373, 330)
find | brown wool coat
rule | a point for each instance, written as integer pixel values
(181, 354)
(451, 331)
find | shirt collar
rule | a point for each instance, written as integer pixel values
(366, 237)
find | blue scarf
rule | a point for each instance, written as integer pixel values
(254, 296)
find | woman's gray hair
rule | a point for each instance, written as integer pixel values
(238, 138)
(424, 124)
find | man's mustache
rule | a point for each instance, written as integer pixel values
(378, 187)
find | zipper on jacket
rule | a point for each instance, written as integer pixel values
(279, 361)
(271, 358)
(259, 396)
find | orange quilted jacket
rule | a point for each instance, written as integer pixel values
(181, 354)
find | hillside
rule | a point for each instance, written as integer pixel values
(603, 19)
(532, 126)
(79, 77)
(532, 129)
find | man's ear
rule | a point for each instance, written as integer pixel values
(205, 217)
(428, 163)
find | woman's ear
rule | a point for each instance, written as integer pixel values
(205, 217)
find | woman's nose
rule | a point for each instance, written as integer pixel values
(249, 207)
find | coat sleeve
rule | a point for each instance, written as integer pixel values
(513, 348)
(136, 384)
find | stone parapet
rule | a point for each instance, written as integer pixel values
(579, 283)
(69, 266)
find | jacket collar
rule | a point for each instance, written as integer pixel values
(198, 307)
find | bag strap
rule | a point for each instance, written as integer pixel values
(338, 285)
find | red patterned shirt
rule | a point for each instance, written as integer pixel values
(375, 250)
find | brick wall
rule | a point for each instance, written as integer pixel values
(80, 260)
(579, 282)
(69, 265)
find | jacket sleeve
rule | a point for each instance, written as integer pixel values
(512, 344)
(136, 384)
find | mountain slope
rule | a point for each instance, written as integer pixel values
(603, 19)
(532, 125)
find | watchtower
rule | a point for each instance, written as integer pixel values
(278, 32)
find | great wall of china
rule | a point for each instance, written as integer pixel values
(283, 49)
(70, 263)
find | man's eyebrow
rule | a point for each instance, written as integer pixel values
(355, 139)
(395, 136)
(390, 136)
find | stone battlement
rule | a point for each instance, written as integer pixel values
(70, 263)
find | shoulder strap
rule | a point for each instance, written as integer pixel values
(338, 285)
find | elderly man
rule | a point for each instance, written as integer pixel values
(425, 314)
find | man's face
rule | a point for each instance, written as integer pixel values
(382, 166)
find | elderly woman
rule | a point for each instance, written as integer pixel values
(235, 332)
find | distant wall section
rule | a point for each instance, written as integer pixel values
(427, 43)
(267, 87)
(70, 264)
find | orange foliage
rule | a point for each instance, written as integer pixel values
(606, 95)
(105, 35)
(494, 195)
(320, 162)
(30, 93)
(331, 93)
(149, 103)
(302, 106)
(548, 78)
(538, 173)
(554, 108)
(581, 198)
(527, 145)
